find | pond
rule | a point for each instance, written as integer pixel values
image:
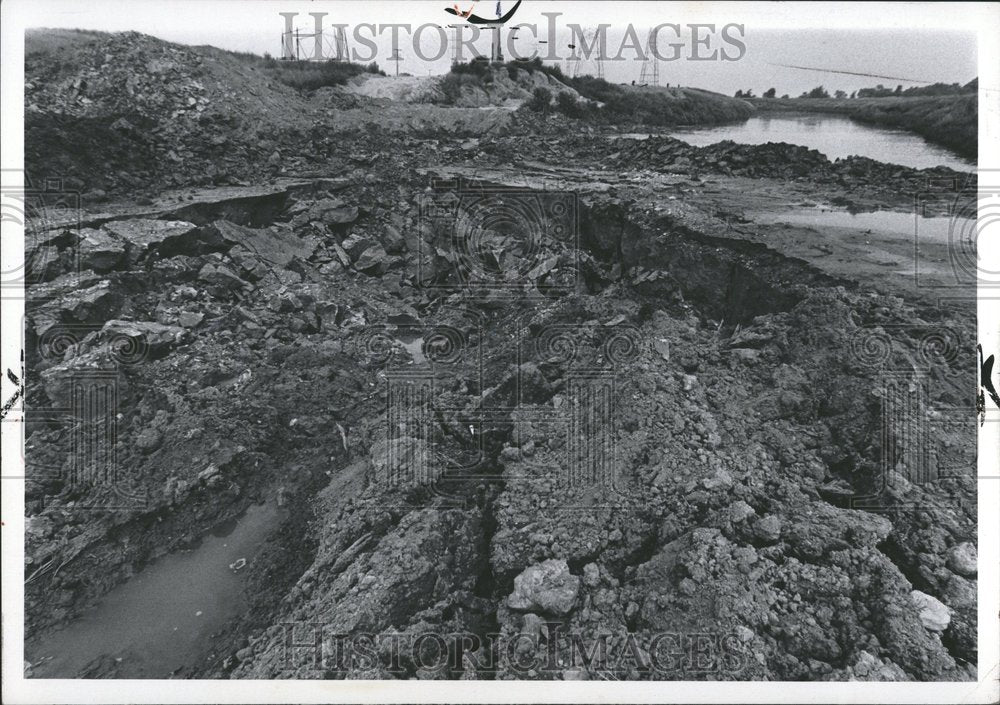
(836, 137)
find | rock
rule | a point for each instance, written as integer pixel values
(95, 196)
(355, 244)
(72, 299)
(768, 529)
(220, 275)
(99, 251)
(722, 480)
(189, 319)
(963, 559)
(338, 215)
(64, 382)
(739, 511)
(747, 354)
(372, 261)
(393, 241)
(934, 615)
(960, 593)
(131, 340)
(148, 440)
(591, 575)
(275, 245)
(532, 626)
(146, 237)
(44, 263)
(870, 668)
(209, 474)
(547, 587)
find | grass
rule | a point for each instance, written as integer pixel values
(39, 42)
(310, 75)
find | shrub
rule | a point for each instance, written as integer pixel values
(567, 104)
(817, 92)
(540, 100)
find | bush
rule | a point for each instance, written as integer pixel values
(817, 92)
(451, 86)
(567, 104)
(540, 100)
(479, 66)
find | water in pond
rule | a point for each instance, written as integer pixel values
(162, 618)
(834, 136)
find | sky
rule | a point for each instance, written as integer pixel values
(923, 42)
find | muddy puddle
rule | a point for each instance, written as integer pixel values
(909, 226)
(163, 618)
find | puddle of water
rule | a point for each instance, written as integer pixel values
(412, 340)
(415, 348)
(630, 136)
(162, 618)
(836, 137)
(906, 225)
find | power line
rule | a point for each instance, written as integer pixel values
(850, 73)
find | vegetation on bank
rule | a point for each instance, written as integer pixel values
(948, 120)
(879, 91)
(603, 101)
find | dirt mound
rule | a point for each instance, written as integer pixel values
(507, 87)
(119, 111)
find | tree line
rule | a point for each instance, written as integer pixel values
(879, 91)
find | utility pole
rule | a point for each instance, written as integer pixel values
(396, 56)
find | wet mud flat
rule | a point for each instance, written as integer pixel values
(535, 404)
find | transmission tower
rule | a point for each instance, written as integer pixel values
(576, 64)
(315, 45)
(650, 73)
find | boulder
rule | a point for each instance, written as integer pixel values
(355, 244)
(339, 215)
(220, 275)
(130, 339)
(372, 261)
(934, 615)
(99, 251)
(963, 559)
(548, 587)
(274, 245)
(146, 237)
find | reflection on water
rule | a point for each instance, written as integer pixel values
(905, 225)
(162, 618)
(836, 137)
